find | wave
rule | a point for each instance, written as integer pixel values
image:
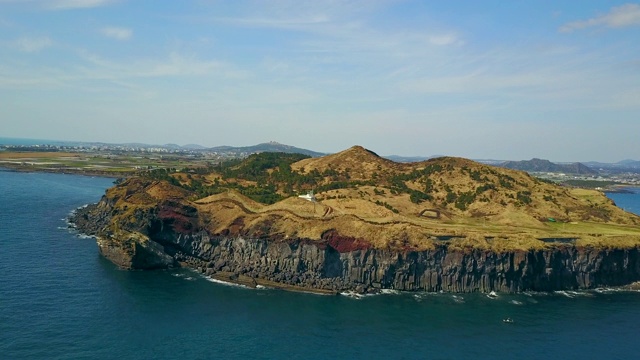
(85, 236)
(613, 290)
(390, 292)
(226, 283)
(492, 295)
(355, 295)
(74, 211)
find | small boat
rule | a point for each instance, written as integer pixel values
(492, 295)
(507, 320)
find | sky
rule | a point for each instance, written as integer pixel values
(512, 80)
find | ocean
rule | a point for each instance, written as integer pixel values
(59, 299)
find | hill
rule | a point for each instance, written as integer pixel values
(540, 165)
(363, 195)
(266, 147)
(447, 224)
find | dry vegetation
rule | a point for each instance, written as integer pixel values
(389, 205)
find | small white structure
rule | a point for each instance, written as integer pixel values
(309, 196)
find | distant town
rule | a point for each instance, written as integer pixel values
(126, 159)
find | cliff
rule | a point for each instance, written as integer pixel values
(331, 264)
(366, 235)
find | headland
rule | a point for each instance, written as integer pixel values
(445, 224)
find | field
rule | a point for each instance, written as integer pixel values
(94, 163)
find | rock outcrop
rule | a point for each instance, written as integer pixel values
(167, 236)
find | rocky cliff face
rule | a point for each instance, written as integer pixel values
(168, 235)
(320, 265)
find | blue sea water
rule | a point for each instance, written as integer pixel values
(628, 202)
(60, 300)
(26, 142)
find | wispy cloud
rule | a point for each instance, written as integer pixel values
(344, 31)
(617, 17)
(78, 4)
(175, 65)
(117, 33)
(62, 4)
(30, 44)
(445, 39)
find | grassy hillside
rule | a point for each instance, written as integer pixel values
(401, 205)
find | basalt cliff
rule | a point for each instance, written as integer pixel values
(444, 224)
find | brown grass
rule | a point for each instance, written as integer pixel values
(497, 223)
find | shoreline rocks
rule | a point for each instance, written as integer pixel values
(328, 266)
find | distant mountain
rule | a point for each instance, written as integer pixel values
(193, 147)
(271, 146)
(135, 145)
(540, 165)
(630, 164)
(489, 161)
(613, 168)
(408, 159)
(172, 146)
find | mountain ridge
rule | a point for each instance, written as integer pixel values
(541, 165)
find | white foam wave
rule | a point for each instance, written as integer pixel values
(423, 295)
(389, 292)
(608, 290)
(492, 295)
(564, 293)
(227, 283)
(354, 295)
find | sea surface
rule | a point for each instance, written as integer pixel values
(60, 300)
(27, 142)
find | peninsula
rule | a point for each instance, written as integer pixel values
(445, 224)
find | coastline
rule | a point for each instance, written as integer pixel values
(234, 279)
(105, 174)
(620, 189)
(255, 283)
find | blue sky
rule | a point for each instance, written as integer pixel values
(558, 80)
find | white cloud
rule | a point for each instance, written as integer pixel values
(117, 33)
(445, 39)
(62, 4)
(617, 17)
(174, 65)
(78, 4)
(28, 44)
